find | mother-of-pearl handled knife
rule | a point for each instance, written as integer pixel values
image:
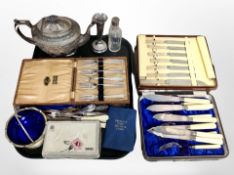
(167, 117)
(202, 126)
(184, 134)
(165, 108)
(170, 98)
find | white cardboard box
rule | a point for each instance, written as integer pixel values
(72, 139)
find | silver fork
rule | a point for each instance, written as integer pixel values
(94, 72)
(89, 85)
(94, 97)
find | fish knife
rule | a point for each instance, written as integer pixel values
(167, 108)
(202, 118)
(184, 134)
(170, 98)
(199, 126)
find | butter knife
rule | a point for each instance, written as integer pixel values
(170, 98)
(172, 82)
(167, 108)
(164, 41)
(174, 74)
(184, 134)
(166, 47)
(172, 67)
(176, 61)
(167, 117)
(171, 54)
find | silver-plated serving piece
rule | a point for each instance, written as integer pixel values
(55, 35)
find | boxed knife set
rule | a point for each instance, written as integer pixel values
(74, 97)
(179, 118)
(175, 61)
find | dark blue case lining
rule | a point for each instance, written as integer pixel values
(152, 143)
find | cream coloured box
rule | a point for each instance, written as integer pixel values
(72, 139)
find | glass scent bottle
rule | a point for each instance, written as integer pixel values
(115, 35)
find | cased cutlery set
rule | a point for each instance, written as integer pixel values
(74, 97)
(196, 131)
(184, 59)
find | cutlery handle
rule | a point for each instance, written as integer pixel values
(196, 101)
(209, 140)
(209, 135)
(103, 125)
(203, 118)
(202, 126)
(199, 107)
(195, 126)
(205, 146)
(101, 118)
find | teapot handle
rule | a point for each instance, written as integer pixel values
(17, 29)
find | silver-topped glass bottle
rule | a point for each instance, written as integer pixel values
(115, 35)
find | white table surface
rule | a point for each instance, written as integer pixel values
(214, 19)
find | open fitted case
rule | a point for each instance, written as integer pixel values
(56, 83)
(178, 66)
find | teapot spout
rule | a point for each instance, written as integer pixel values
(85, 37)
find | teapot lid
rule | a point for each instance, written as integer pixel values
(57, 27)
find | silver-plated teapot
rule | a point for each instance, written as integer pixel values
(55, 35)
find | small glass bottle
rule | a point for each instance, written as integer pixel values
(115, 35)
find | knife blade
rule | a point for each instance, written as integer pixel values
(171, 54)
(155, 46)
(167, 117)
(170, 98)
(202, 126)
(168, 108)
(184, 134)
